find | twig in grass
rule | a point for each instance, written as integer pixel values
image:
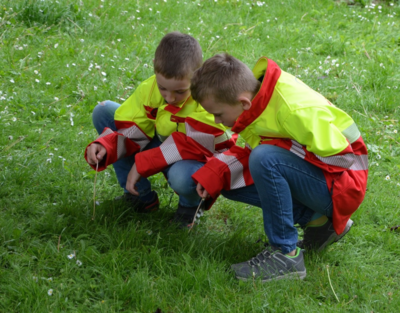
(58, 245)
(365, 51)
(74, 23)
(94, 191)
(13, 144)
(354, 297)
(195, 214)
(330, 283)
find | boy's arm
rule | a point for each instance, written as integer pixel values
(206, 144)
(135, 123)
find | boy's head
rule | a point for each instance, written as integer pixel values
(225, 87)
(177, 57)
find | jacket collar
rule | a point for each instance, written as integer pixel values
(271, 72)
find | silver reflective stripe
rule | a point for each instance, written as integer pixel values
(248, 146)
(235, 168)
(105, 133)
(345, 160)
(206, 140)
(170, 151)
(297, 149)
(360, 163)
(136, 135)
(224, 137)
(351, 133)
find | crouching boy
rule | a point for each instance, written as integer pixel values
(308, 160)
(157, 108)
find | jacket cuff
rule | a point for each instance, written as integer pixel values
(210, 180)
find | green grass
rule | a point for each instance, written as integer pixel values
(49, 85)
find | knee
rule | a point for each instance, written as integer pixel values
(181, 183)
(100, 109)
(263, 155)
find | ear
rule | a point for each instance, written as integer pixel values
(245, 100)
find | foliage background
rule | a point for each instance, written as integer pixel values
(59, 58)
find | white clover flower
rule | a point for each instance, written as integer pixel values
(387, 177)
(14, 119)
(37, 80)
(48, 83)
(145, 65)
(104, 73)
(33, 113)
(55, 46)
(395, 131)
(72, 255)
(81, 40)
(73, 64)
(55, 98)
(50, 279)
(79, 263)
(48, 160)
(10, 137)
(56, 149)
(12, 81)
(94, 87)
(378, 156)
(36, 72)
(35, 278)
(50, 292)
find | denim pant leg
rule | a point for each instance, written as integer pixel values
(287, 185)
(103, 116)
(180, 179)
(248, 195)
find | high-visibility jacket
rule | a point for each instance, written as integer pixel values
(287, 113)
(145, 113)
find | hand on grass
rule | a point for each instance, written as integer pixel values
(202, 192)
(133, 178)
(95, 153)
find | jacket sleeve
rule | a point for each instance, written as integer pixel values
(202, 143)
(135, 122)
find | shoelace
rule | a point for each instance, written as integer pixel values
(266, 254)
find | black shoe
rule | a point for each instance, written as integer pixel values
(271, 264)
(138, 205)
(185, 216)
(318, 237)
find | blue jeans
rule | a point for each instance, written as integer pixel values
(290, 191)
(178, 174)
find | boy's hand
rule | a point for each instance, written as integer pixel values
(202, 192)
(95, 153)
(133, 178)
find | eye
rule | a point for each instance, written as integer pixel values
(181, 92)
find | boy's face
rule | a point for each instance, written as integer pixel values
(174, 91)
(224, 113)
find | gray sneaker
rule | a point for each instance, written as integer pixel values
(317, 238)
(271, 264)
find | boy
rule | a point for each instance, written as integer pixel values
(158, 107)
(308, 160)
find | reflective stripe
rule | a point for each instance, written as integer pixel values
(297, 149)
(136, 135)
(235, 168)
(345, 160)
(224, 137)
(360, 163)
(248, 146)
(206, 140)
(170, 151)
(108, 131)
(351, 133)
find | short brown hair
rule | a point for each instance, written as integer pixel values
(224, 78)
(177, 56)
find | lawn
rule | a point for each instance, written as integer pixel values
(58, 59)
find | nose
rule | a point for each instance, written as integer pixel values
(170, 97)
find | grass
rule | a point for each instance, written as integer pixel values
(59, 58)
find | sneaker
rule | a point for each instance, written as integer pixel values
(185, 216)
(138, 205)
(271, 264)
(318, 237)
